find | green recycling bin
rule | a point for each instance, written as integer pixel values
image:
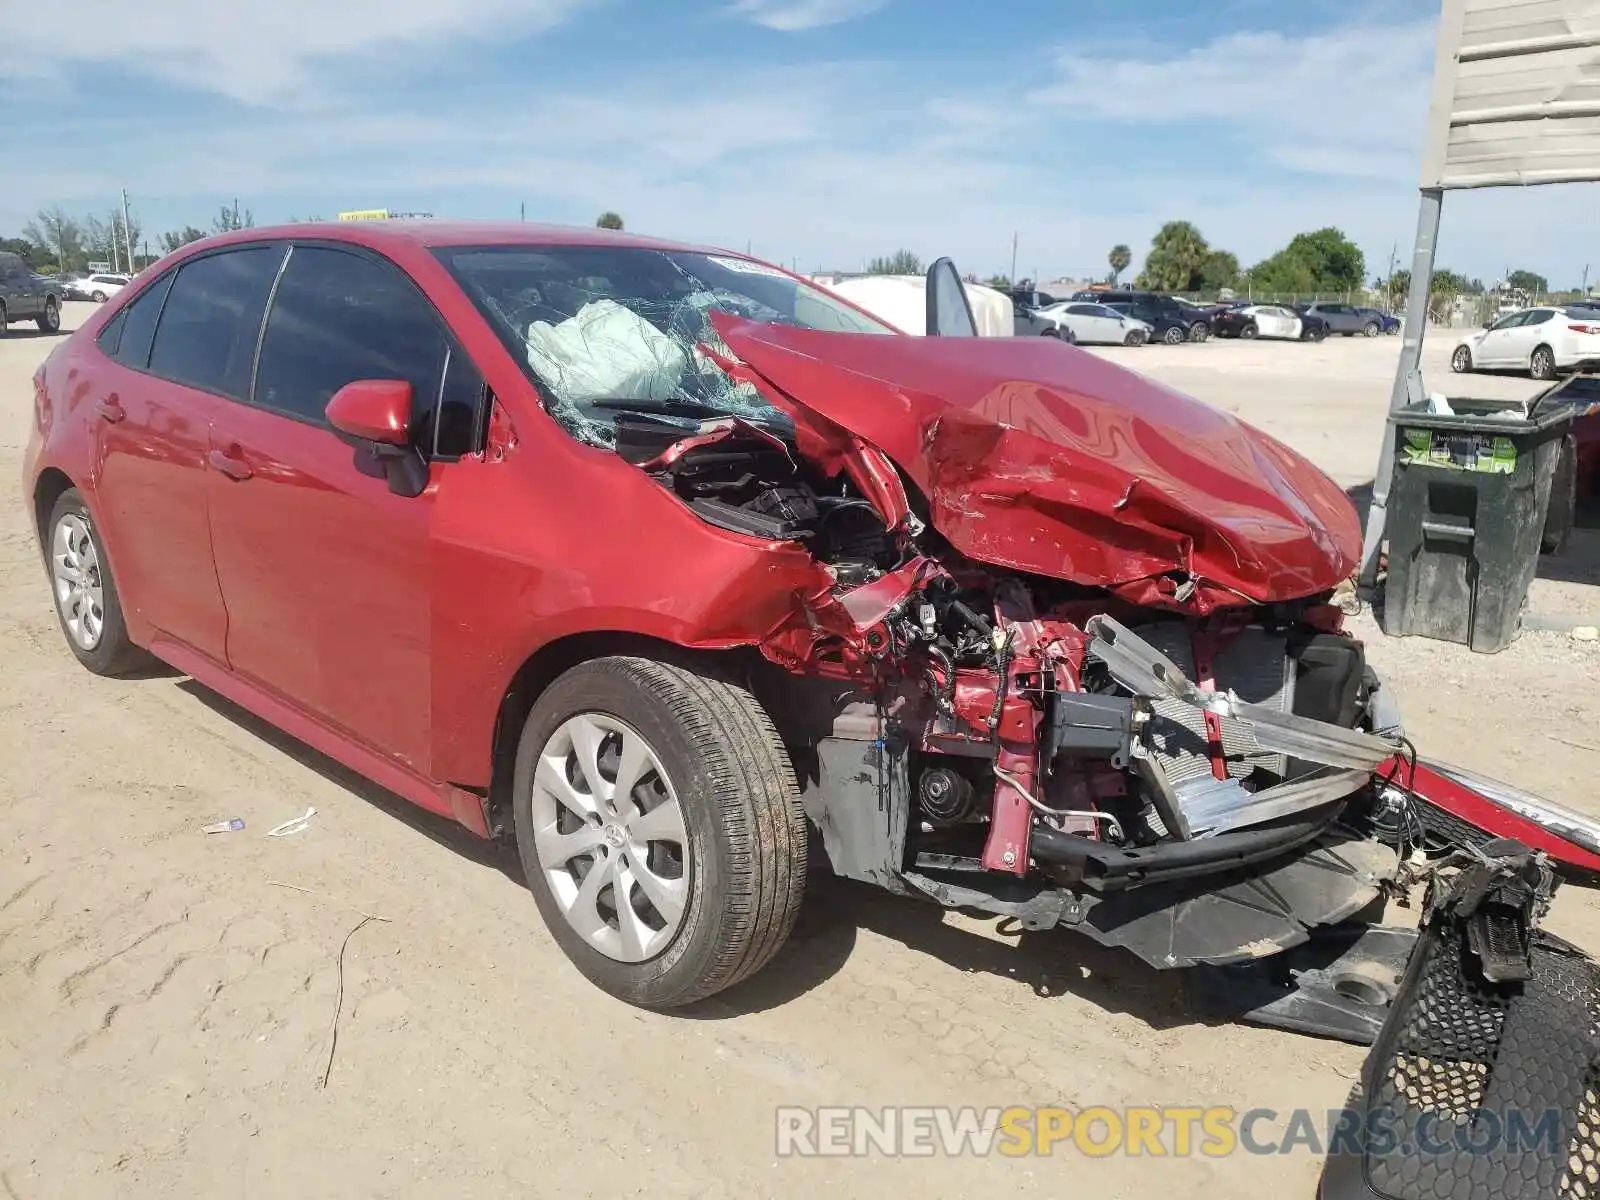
(1466, 517)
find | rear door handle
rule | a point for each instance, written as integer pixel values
(233, 468)
(110, 411)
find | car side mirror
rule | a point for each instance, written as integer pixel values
(949, 312)
(374, 416)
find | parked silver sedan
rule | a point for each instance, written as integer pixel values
(1097, 324)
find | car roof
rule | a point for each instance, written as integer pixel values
(433, 234)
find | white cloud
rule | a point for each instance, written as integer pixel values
(827, 164)
(1348, 102)
(792, 16)
(252, 52)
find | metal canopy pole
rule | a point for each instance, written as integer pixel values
(1512, 105)
(1408, 375)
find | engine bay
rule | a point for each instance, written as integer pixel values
(1043, 719)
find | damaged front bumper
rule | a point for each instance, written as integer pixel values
(1345, 758)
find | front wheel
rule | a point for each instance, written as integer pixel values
(660, 828)
(87, 603)
(1175, 336)
(98, 297)
(50, 320)
(1542, 365)
(1135, 338)
(1370, 329)
(1461, 360)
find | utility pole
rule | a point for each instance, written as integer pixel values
(127, 232)
(1013, 260)
(523, 209)
(1584, 291)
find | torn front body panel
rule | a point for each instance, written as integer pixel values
(1082, 662)
(1040, 458)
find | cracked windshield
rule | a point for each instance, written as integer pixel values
(604, 330)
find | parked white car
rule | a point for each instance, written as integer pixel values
(1093, 324)
(902, 301)
(1271, 321)
(98, 288)
(1540, 341)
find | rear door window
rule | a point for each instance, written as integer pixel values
(339, 316)
(212, 320)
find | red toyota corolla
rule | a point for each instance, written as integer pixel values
(661, 561)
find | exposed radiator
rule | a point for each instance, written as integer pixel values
(1253, 663)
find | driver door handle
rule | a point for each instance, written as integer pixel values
(233, 468)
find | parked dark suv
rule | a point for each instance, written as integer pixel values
(1344, 319)
(1157, 308)
(25, 295)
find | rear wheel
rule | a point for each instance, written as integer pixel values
(660, 828)
(1461, 360)
(1249, 331)
(1199, 331)
(87, 604)
(1543, 363)
(4, 325)
(50, 320)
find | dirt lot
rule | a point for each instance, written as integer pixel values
(165, 1005)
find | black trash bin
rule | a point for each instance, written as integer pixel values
(1466, 517)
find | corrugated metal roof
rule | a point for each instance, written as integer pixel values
(1516, 94)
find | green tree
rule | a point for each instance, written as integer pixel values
(609, 220)
(1334, 259)
(901, 262)
(1283, 273)
(23, 249)
(230, 219)
(106, 241)
(174, 239)
(1527, 281)
(60, 235)
(1324, 260)
(1220, 270)
(1003, 282)
(1119, 260)
(1177, 255)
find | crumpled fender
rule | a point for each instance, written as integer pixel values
(1042, 458)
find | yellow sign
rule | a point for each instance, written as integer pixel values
(365, 214)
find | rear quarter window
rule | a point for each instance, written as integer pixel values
(127, 336)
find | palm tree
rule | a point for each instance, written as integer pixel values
(609, 220)
(1119, 258)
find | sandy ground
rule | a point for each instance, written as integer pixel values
(165, 1005)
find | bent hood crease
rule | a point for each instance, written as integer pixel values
(1042, 458)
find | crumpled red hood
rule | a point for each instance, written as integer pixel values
(1040, 457)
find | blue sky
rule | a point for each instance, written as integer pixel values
(818, 132)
